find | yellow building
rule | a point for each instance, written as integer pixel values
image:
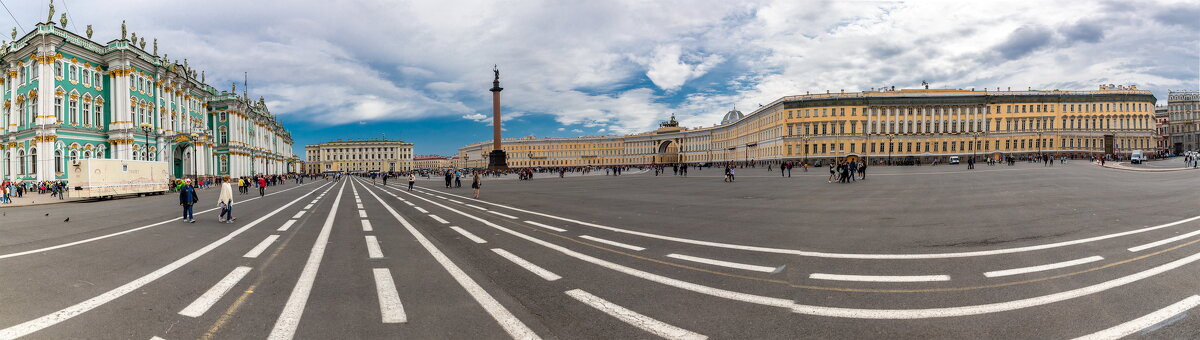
(432, 162)
(359, 155)
(906, 126)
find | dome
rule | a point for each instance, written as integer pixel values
(732, 116)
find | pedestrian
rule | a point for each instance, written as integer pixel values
(225, 201)
(262, 186)
(187, 199)
(475, 184)
(832, 172)
(412, 178)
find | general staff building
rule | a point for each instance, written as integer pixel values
(900, 126)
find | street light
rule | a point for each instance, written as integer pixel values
(1039, 144)
(975, 144)
(890, 137)
(806, 139)
(146, 127)
(195, 157)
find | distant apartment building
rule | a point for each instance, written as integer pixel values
(359, 155)
(1162, 127)
(1183, 109)
(432, 162)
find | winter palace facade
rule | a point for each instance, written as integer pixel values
(908, 125)
(67, 97)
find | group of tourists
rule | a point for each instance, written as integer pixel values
(847, 171)
(10, 189)
(189, 196)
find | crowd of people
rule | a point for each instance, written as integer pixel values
(10, 190)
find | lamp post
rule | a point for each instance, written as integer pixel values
(806, 139)
(975, 143)
(195, 157)
(146, 127)
(890, 137)
(1039, 144)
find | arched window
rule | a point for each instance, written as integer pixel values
(73, 109)
(87, 154)
(73, 156)
(87, 109)
(24, 162)
(133, 111)
(58, 161)
(33, 166)
(98, 113)
(74, 74)
(58, 107)
(58, 69)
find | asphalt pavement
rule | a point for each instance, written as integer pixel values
(1001, 252)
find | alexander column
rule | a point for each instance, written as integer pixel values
(497, 160)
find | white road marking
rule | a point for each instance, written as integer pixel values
(456, 201)
(389, 300)
(513, 326)
(442, 197)
(409, 203)
(855, 313)
(475, 206)
(373, 247)
(257, 250)
(64, 314)
(360, 205)
(362, 213)
(209, 298)
(439, 219)
(101, 237)
(546, 226)
(309, 206)
(298, 214)
(1162, 242)
(314, 201)
(157, 338)
(846, 255)
(1135, 325)
(286, 225)
(289, 318)
(635, 319)
(614, 243)
(366, 225)
(763, 269)
(468, 234)
(539, 271)
(423, 211)
(503, 215)
(1043, 267)
(876, 278)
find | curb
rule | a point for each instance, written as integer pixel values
(1120, 167)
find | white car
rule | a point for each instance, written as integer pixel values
(953, 159)
(1137, 157)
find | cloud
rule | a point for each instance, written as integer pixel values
(622, 66)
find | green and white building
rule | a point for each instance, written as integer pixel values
(66, 97)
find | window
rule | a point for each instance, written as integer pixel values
(58, 69)
(87, 110)
(73, 110)
(74, 74)
(98, 112)
(58, 107)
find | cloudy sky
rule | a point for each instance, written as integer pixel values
(420, 70)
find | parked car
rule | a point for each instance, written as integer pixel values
(954, 160)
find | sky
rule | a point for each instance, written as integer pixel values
(420, 71)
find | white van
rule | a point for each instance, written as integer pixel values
(954, 160)
(1137, 157)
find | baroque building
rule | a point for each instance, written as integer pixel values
(1183, 111)
(67, 97)
(359, 155)
(907, 126)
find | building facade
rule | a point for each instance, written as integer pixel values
(1183, 108)
(67, 97)
(911, 125)
(1162, 128)
(431, 162)
(359, 155)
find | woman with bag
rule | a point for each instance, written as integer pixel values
(475, 184)
(225, 201)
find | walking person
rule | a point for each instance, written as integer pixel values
(225, 201)
(187, 199)
(262, 186)
(412, 178)
(475, 184)
(832, 172)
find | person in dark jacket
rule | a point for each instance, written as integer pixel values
(188, 199)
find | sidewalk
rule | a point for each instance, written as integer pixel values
(39, 199)
(1129, 167)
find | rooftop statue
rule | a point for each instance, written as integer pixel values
(133, 37)
(89, 32)
(142, 43)
(122, 29)
(155, 46)
(63, 20)
(50, 17)
(14, 34)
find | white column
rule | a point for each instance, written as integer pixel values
(45, 103)
(13, 117)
